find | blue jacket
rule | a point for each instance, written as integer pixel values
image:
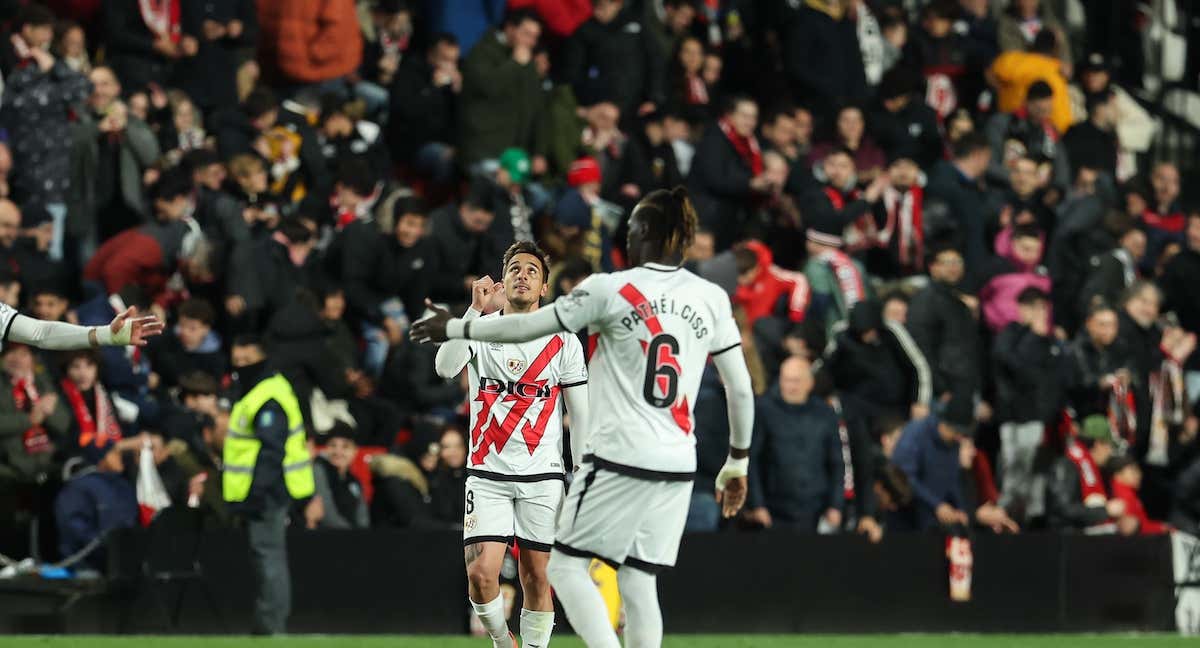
(932, 468)
(90, 505)
(796, 467)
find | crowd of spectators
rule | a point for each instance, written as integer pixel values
(968, 286)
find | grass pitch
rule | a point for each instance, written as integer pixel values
(675, 641)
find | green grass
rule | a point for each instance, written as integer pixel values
(677, 641)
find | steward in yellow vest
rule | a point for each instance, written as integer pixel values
(267, 467)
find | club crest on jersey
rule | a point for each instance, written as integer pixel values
(515, 366)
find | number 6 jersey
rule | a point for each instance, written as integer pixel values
(654, 327)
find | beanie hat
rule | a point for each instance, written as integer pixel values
(583, 171)
(516, 162)
(1096, 428)
(825, 232)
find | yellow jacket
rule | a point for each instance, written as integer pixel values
(1016, 71)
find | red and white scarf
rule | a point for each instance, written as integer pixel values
(904, 221)
(161, 18)
(1090, 483)
(98, 430)
(1167, 398)
(746, 147)
(849, 279)
(25, 393)
(860, 235)
(847, 459)
(1122, 413)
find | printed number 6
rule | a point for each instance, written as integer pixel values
(662, 370)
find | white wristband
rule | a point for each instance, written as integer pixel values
(104, 335)
(733, 469)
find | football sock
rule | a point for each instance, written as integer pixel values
(643, 618)
(535, 628)
(492, 616)
(581, 600)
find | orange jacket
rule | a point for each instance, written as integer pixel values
(1016, 71)
(308, 41)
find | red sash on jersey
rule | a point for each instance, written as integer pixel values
(1089, 476)
(680, 411)
(497, 434)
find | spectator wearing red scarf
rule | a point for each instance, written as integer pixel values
(1126, 481)
(1076, 496)
(33, 419)
(836, 202)
(94, 421)
(145, 38)
(727, 172)
(1162, 216)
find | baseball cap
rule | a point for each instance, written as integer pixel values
(1094, 62)
(516, 162)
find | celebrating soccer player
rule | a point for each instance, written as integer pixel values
(516, 467)
(657, 325)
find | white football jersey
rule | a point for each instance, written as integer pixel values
(7, 315)
(516, 403)
(654, 327)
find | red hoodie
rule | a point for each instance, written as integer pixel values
(760, 298)
(1133, 506)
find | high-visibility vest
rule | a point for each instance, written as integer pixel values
(242, 444)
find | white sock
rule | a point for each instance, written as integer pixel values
(492, 616)
(643, 618)
(535, 628)
(581, 600)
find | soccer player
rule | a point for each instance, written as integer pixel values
(125, 329)
(515, 471)
(656, 326)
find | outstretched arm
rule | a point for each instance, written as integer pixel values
(126, 328)
(510, 328)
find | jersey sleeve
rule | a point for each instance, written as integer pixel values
(584, 305)
(726, 335)
(574, 368)
(7, 315)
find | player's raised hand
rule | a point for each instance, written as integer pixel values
(432, 328)
(128, 328)
(487, 296)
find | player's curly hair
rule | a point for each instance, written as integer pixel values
(674, 220)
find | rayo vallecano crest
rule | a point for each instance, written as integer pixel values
(515, 366)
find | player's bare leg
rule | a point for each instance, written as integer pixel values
(484, 560)
(581, 600)
(537, 613)
(643, 618)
